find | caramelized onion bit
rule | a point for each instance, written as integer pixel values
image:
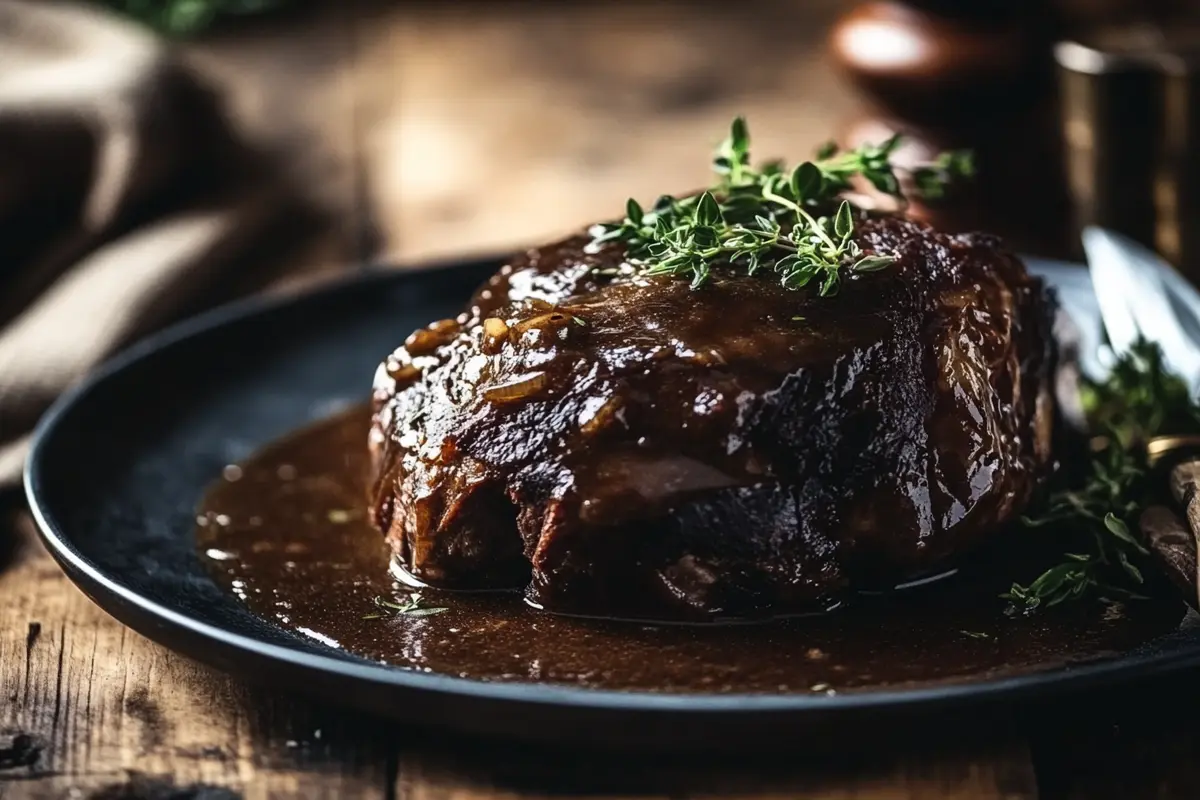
(402, 374)
(541, 321)
(495, 331)
(602, 418)
(550, 328)
(517, 388)
(428, 339)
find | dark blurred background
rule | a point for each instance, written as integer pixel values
(438, 128)
(435, 128)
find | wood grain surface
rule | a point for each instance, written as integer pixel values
(428, 137)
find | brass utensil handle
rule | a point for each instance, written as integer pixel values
(1173, 541)
(1167, 451)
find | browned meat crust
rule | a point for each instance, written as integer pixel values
(628, 446)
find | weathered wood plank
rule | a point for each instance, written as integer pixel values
(86, 704)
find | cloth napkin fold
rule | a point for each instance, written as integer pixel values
(126, 200)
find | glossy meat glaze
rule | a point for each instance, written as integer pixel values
(627, 446)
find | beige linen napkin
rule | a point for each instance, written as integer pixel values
(124, 197)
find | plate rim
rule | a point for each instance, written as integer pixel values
(110, 594)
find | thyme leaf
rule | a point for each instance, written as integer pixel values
(1140, 399)
(794, 223)
(411, 608)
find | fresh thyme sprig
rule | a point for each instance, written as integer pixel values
(792, 222)
(411, 608)
(1140, 399)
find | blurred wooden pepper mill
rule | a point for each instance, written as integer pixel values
(978, 75)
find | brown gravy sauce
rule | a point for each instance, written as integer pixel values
(286, 532)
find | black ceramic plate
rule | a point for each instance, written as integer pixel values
(119, 463)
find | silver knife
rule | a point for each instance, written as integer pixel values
(1139, 293)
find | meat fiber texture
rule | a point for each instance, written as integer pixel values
(624, 445)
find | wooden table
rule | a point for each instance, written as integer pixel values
(428, 138)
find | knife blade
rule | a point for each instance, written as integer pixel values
(1139, 293)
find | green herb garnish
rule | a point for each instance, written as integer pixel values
(975, 634)
(185, 17)
(1140, 399)
(411, 608)
(792, 222)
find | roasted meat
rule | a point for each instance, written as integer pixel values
(625, 445)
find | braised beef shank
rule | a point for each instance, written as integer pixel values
(625, 445)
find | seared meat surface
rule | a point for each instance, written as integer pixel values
(625, 445)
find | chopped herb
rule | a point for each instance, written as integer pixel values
(1097, 513)
(975, 634)
(411, 608)
(793, 223)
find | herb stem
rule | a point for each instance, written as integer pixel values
(816, 228)
(763, 216)
(1098, 512)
